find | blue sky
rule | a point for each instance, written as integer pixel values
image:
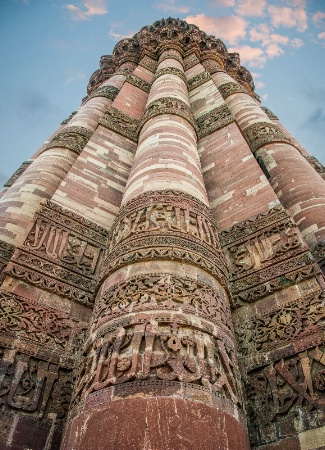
(50, 48)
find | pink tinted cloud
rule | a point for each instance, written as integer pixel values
(253, 56)
(288, 17)
(93, 8)
(318, 17)
(230, 28)
(321, 35)
(273, 50)
(171, 6)
(251, 7)
(223, 3)
(296, 43)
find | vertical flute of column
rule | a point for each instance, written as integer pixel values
(40, 180)
(300, 190)
(160, 349)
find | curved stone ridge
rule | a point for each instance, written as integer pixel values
(73, 138)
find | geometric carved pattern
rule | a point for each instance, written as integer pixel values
(265, 255)
(168, 105)
(17, 174)
(230, 88)
(165, 224)
(162, 291)
(61, 253)
(214, 120)
(72, 138)
(263, 133)
(139, 83)
(121, 123)
(151, 350)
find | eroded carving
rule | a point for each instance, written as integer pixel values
(170, 71)
(109, 92)
(198, 80)
(17, 174)
(214, 120)
(230, 88)
(72, 138)
(262, 133)
(121, 123)
(139, 83)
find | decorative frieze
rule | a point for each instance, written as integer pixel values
(155, 351)
(230, 88)
(109, 92)
(170, 71)
(139, 82)
(318, 166)
(198, 80)
(165, 224)
(61, 253)
(6, 252)
(269, 113)
(148, 63)
(265, 254)
(72, 138)
(168, 105)
(318, 253)
(163, 291)
(121, 123)
(24, 319)
(214, 120)
(65, 121)
(33, 386)
(171, 55)
(262, 133)
(17, 174)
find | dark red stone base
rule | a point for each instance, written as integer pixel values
(161, 423)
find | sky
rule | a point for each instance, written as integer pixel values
(50, 48)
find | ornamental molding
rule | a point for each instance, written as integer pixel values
(168, 105)
(139, 83)
(214, 120)
(170, 71)
(65, 121)
(317, 165)
(149, 63)
(18, 173)
(121, 123)
(73, 138)
(230, 88)
(191, 61)
(198, 80)
(109, 92)
(262, 133)
(269, 113)
(6, 252)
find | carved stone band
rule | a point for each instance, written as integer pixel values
(269, 113)
(72, 138)
(139, 83)
(121, 123)
(168, 105)
(262, 133)
(170, 71)
(17, 174)
(214, 120)
(198, 80)
(231, 88)
(109, 92)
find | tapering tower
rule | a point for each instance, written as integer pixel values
(161, 264)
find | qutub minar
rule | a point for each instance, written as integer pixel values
(161, 265)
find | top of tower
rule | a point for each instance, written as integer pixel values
(177, 34)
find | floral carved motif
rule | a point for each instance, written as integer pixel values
(168, 105)
(149, 351)
(269, 113)
(17, 174)
(148, 63)
(6, 252)
(263, 133)
(170, 71)
(72, 138)
(61, 253)
(139, 82)
(191, 61)
(198, 80)
(121, 123)
(231, 88)
(109, 92)
(166, 292)
(214, 120)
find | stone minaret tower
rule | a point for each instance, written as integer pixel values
(161, 263)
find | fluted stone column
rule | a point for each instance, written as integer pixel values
(160, 369)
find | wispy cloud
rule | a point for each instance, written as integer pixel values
(230, 28)
(119, 36)
(318, 17)
(251, 7)
(92, 8)
(222, 3)
(172, 6)
(321, 35)
(288, 17)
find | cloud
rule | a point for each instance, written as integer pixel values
(321, 35)
(222, 3)
(170, 6)
(318, 17)
(274, 50)
(251, 7)
(230, 28)
(253, 56)
(288, 17)
(264, 96)
(72, 76)
(119, 36)
(259, 84)
(93, 8)
(296, 43)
